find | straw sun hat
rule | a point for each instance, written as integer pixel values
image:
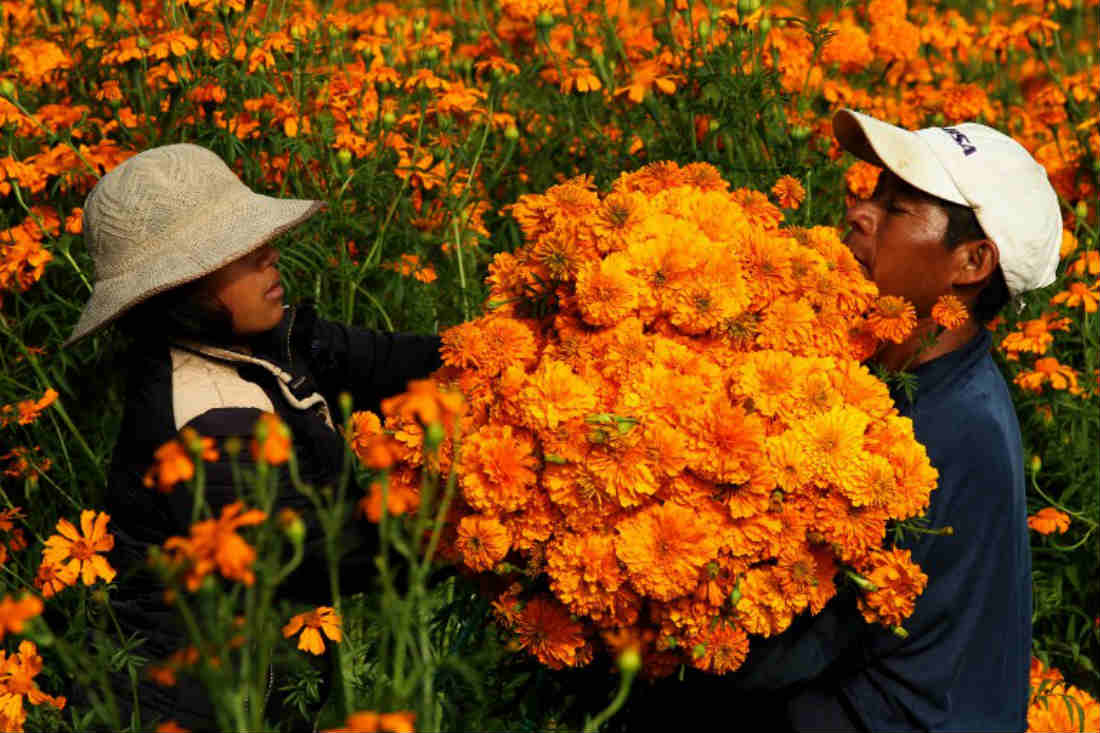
(167, 216)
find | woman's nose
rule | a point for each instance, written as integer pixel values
(269, 257)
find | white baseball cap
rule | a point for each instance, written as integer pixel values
(976, 166)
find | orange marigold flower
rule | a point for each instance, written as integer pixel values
(1048, 371)
(1079, 295)
(498, 468)
(78, 551)
(949, 312)
(214, 543)
(720, 649)
(555, 394)
(606, 291)
(1055, 706)
(52, 579)
(897, 581)
(483, 542)
(15, 613)
(17, 673)
(27, 411)
(1089, 262)
(663, 548)
(312, 624)
(892, 319)
(788, 192)
(1049, 520)
(272, 443)
(862, 178)
(546, 630)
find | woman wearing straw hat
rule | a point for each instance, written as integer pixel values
(184, 264)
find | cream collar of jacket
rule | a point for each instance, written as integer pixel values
(199, 386)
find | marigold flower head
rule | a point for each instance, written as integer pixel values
(949, 312)
(78, 550)
(1049, 520)
(368, 721)
(215, 544)
(483, 541)
(788, 192)
(892, 319)
(312, 624)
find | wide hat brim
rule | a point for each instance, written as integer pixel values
(241, 225)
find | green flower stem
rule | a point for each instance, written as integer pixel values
(626, 679)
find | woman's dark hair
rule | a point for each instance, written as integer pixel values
(963, 226)
(184, 312)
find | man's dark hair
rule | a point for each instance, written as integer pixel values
(963, 226)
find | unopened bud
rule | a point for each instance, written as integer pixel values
(630, 661)
(511, 133)
(1036, 463)
(290, 522)
(800, 133)
(344, 156)
(1081, 211)
(699, 651)
(765, 24)
(232, 446)
(7, 88)
(389, 119)
(747, 7)
(544, 20)
(899, 632)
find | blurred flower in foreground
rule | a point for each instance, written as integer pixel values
(367, 721)
(17, 674)
(214, 543)
(1048, 521)
(15, 613)
(272, 442)
(312, 624)
(27, 411)
(172, 461)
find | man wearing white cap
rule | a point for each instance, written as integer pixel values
(962, 211)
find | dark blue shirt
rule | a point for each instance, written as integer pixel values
(965, 663)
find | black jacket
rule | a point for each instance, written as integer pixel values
(297, 370)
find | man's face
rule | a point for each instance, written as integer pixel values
(897, 235)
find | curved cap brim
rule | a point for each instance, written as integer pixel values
(906, 154)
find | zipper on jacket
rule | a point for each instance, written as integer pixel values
(289, 329)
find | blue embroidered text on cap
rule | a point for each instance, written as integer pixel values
(961, 139)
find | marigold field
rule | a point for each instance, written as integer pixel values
(624, 219)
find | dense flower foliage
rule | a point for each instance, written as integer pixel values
(686, 439)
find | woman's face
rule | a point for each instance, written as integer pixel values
(249, 289)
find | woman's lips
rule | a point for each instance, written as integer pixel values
(274, 292)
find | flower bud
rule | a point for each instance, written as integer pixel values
(511, 133)
(1036, 463)
(747, 7)
(290, 522)
(800, 133)
(389, 119)
(1081, 211)
(630, 661)
(344, 156)
(7, 88)
(232, 446)
(765, 24)
(544, 20)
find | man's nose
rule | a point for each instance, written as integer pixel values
(860, 219)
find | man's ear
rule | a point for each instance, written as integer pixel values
(975, 262)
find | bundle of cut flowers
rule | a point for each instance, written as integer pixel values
(669, 441)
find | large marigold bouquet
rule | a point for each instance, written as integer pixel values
(669, 440)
